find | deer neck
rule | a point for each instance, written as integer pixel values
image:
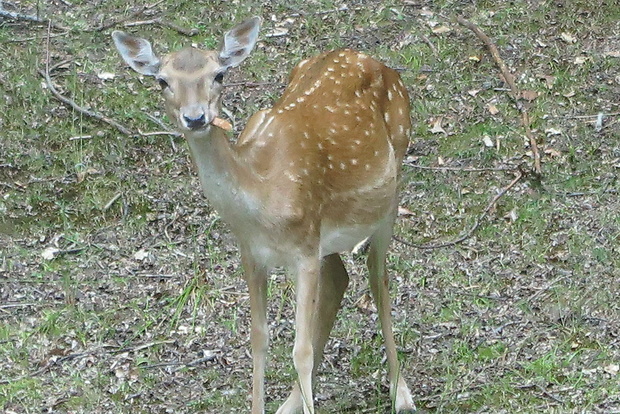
(222, 176)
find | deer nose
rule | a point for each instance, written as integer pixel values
(195, 122)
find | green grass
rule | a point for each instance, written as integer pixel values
(521, 317)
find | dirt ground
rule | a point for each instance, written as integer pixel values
(121, 289)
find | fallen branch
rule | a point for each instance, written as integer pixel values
(514, 91)
(29, 18)
(461, 169)
(133, 15)
(70, 102)
(161, 22)
(473, 228)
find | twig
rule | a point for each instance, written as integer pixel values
(430, 45)
(112, 201)
(461, 169)
(586, 116)
(473, 228)
(525, 118)
(133, 15)
(161, 22)
(28, 18)
(70, 102)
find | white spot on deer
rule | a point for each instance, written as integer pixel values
(357, 142)
(358, 93)
(353, 161)
(376, 153)
(343, 166)
(280, 111)
(330, 109)
(330, 166)
(367, 167)
(386, 116)
(389, 94)
(300, 99)
(330, 157)
(367, 132)
(321, 147)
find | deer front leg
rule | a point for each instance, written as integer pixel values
(307, 279)
(259, 335)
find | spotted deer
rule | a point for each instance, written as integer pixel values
(306, 180)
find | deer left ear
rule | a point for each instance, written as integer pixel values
(137, 52)
(239, 42)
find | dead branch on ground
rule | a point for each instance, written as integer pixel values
(5, 14)
(473, 228)
(50, 85)
(514, 91)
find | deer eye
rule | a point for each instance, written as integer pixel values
(162, 83)
(219, 78)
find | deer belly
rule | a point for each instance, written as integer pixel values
(344, 239)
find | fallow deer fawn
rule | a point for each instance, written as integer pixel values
(307, 179)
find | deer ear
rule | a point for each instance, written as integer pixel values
(239, 42)
(137, 52)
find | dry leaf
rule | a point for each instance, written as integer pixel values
(511, 216)
(612, 369)
(553, 131)
(553, 153)
(222, 123)
(568, 37)
(487, 141)
(50, 253)
(580, 60)
(141, 254)
(492, 109)
(569, 94)
(405, 212)
(612, 53)
(473, 92)
(529, 95)
(474, 58)
(106, 76)
(441, 29)
(436, 127)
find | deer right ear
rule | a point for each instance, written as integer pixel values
(137, 52)
(239, 42)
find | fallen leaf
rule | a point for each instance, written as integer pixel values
(580, 60)
(511, 216)
(568, 37)
(50, 253)
(441, 29)
(612, 369)
(473, 92)
(569, 94)
(553, 131)
(405, 212)
(474, 58)
(492, 109)
(436, 127)
(612, 53)
(487, 141)
(141, 255)
(106, 76)
(553, 153)
(529, 95)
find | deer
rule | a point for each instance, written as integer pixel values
(305, 181)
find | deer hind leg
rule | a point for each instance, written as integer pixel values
(332, 284)
(379, 286)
